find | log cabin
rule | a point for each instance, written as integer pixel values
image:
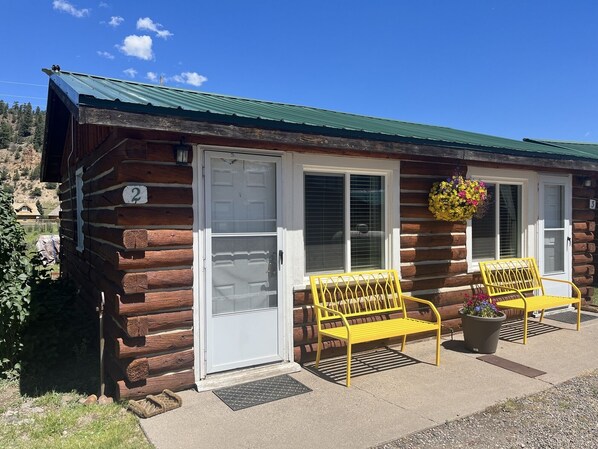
(199, 217)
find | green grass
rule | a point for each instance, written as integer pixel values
(58, 420)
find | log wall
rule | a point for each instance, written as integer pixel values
(139, 255)
(584, 239)
(433, 256)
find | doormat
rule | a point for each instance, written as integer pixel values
(510, 365)
(259, 392)
(570, 317)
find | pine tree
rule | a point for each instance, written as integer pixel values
(5, 134)
(25, 120)
(38, 135)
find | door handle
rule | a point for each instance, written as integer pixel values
(569, 241)
(280, 257)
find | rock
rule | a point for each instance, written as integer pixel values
(92, 399)
(103, 400)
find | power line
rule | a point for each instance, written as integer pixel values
(22, 96)
(24, 84)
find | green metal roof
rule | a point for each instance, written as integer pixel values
(589, 148)
(108, 93)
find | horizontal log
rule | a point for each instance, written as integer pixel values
(164, 237)
(141, 216)
(584, 269)
(155, 196)
(584, 215)
(155, 385)
(583, 237)
(584, 226)
(419, 198)
(582, 281)
(584, 192)
(423, 241)
(139, 326)
(579, 259)
(134, 150)
(422, 254)
(155, 280)
(147, 260)
(416, 212)
(141, 173)
(410, 271)
(436, 170)
(426, 284)
(153, 344)
(584, 247)
(581, 203)
(143, 303)
(434, 227)
(141, 369)
(418, 184)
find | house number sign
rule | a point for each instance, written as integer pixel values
(135, 194)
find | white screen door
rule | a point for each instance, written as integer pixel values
(555, 232)
(243, 262)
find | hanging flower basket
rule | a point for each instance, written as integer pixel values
(457, 199)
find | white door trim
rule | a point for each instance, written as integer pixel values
(202, 380)
(566, 181)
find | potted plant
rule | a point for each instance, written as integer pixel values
(481, 321)
(457, 199)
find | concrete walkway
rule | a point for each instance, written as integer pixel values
(391, 394)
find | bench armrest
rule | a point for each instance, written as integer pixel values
(426, 302)
(508, 290)
(562, 281)
(334, 312)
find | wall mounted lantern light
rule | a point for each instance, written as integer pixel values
(181, 153)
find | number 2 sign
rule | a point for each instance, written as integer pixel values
(135, 194)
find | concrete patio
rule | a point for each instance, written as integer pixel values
(392, 395)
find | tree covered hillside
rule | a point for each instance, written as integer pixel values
(21, 140)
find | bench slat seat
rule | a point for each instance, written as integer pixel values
(371, 296)
(379, 330)
(535, 302)
(506, 278)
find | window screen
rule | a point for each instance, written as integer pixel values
(497, 234)
(336, 221)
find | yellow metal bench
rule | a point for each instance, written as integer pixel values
(520, 280)
(345, 301)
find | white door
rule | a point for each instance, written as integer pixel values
(243, 263)
(555, 232)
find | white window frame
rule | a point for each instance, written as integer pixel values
(528, 181)
(311, 163)
(79, 208)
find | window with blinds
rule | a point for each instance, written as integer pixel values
(344, 215)
(497, 235)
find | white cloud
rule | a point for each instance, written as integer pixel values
(138, 46)
(64, 6)
(115, 21)
(152, 76)
(149, 25)
(191, 78)
(105, 54)
(130, 72)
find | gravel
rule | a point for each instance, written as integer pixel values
(564, 416)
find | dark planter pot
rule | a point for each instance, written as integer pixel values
(481, 333)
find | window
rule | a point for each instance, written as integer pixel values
(344, 222)
(79, 208)
(497, 234)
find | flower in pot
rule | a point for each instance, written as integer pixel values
(457, 199)
(481, 321)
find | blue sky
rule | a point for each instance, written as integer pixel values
(511, 68)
